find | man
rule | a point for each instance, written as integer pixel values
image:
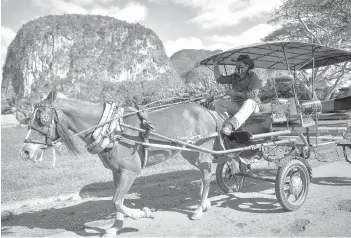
(245, 86)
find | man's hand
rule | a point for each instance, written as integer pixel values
(230, 92)
(252, 94)
(236, 94)
(217, 59)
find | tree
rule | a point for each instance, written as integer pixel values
(326, 22)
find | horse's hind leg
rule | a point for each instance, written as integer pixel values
(205, 162)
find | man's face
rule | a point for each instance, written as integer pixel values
(241, 68)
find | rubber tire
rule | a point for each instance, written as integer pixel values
(219, 179)
(280, 181)
(347, 153)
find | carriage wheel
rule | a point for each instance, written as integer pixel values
(226, 180)
(292, 185)
(347, 153)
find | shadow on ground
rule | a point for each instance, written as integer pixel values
(332, 181)
(175, 191)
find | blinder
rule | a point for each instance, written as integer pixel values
(44, 122)
(46, 118)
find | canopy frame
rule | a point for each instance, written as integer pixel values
(286, 55)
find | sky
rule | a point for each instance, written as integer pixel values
(180, 24)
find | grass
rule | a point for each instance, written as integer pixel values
(21, 180)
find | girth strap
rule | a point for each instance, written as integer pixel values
(146, 125)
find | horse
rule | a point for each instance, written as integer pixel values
(56, 117)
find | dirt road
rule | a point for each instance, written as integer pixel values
(252, 212)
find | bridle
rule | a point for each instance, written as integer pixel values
(46, 124)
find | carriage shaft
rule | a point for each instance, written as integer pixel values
(215, 152)
(192, 147)
(253, 176)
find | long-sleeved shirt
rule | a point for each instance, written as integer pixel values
(250, 84)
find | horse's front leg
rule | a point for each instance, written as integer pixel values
(119, 218)
(123, 182)
(206, 172)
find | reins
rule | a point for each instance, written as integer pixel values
(146, 131)
(146, 108)
(142, 109)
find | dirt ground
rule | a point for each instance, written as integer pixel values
(254, 211)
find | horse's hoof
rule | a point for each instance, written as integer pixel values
(148, 213)
(207, 206)
(108, 235)
(196, 216)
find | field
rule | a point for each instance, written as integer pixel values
(170, 189)
(22, 180)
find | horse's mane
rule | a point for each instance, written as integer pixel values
(62, 127)
(67, 140)
(77, 102)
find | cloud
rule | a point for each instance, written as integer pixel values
(60, 7)
(216, 42)
(224, 13)
(83, 2)
(7, 35)
(130, 12)
(250, 36)
(159, 1)
(183, 43)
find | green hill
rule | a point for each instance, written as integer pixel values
(88, 57)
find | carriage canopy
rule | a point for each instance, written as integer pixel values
(284, 55)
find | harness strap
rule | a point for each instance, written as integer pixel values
(106, 115)
(48, 130)
(146, 125)
(218, 128)
(109, 125)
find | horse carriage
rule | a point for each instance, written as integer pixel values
(294, 125)
(129, 139)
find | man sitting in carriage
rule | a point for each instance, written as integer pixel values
(245, 87)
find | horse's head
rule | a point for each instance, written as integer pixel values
(45, 129)
(42, 130)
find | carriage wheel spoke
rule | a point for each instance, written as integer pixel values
(288, 193)
(299, 195)
(237, 184)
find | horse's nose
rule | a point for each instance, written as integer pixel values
(24, 153)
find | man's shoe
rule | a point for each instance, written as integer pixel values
(227, 129)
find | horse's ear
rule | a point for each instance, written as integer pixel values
(52, 96)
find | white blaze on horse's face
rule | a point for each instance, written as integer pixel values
(35, 141)
(32, 152)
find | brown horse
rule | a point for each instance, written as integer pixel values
(54, 117)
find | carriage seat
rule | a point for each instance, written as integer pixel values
(284, 110)
(280, 110)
